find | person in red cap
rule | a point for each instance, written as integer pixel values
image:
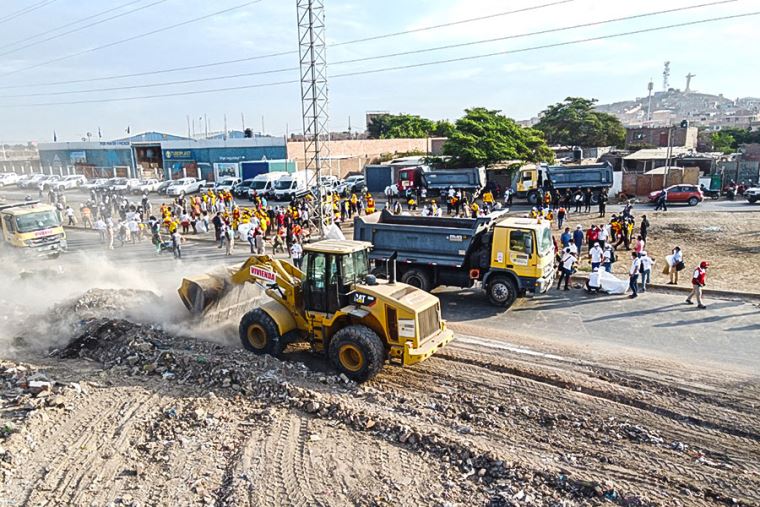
(697, 282)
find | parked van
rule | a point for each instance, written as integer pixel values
(263, 184)
(288, 186)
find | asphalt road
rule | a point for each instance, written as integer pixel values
(655, 325)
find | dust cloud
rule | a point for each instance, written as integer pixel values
(42, 302)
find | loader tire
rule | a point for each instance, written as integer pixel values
(358, 352)
(259, 333)
(417, 278)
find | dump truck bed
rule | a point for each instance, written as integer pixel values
(425, 240)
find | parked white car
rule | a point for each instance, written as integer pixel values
(149, 185)
(226, 183)
(98, 182)
(8, 179)
(752, 194)
(69, 182)
(49, 181)
(185, 186)
(29, 180)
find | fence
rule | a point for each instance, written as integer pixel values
(643, 184)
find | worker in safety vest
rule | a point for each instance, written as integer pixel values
(370, 205)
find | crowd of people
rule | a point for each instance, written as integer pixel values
(284, 227)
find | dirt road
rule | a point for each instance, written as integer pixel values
(136, 416)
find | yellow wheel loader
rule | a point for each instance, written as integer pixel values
(335, 305)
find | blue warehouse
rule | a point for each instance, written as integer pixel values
(163, 156)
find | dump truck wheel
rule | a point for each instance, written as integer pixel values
(417, 278)
(502, 292)
(357, 352)
(259, 333)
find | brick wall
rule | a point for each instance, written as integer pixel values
(658, 137)
(359, 152)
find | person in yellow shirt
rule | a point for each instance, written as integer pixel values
(354, 203)
(370, 204)
(412, 203)
(487, 199)
(475, 209)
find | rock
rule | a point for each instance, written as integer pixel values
(167, 375)
(37, 386)
(199, 414)
(132, 360)
(57, 401)
(143, 347)
(312, 407)
(369, 424)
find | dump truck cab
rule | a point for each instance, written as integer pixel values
(522, 255)
(32, 227)
(336, 306)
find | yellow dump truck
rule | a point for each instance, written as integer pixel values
(33, 227)
(509, 256)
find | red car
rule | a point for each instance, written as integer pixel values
(690, 194)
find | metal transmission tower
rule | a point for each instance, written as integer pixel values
(313, 59)
(666, 77)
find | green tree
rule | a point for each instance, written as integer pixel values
(483, 137)
(574, 122)
(401, 126)
(443, 128)
(724, 142)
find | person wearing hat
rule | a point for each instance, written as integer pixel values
(595, 256)
(698, 280)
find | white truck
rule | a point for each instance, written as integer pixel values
(8, 179)
(70, 182)
(185, 186)
(287, 187)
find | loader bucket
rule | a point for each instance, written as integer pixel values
(214, 297)
(199, 292)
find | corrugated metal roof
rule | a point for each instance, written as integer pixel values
(657, 153)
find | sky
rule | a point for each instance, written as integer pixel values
(520, 83)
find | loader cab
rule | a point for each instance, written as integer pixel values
(332, 269)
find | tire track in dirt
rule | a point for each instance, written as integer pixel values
(599, 393)
(656, 472)
(77, 437)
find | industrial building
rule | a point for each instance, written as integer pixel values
(163, 156)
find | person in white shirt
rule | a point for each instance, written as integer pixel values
(296, 253)
(566, 268)
(595, 254)
(100, 226)
(633, 274)
(646, 270)
(674, 261)
(607, 258)
(604, 234)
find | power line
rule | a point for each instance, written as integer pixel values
(134, 37)
(376, 57)
(31, 44)
(286, 53)
(453, 23)
(26, 10)
(403, 67)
